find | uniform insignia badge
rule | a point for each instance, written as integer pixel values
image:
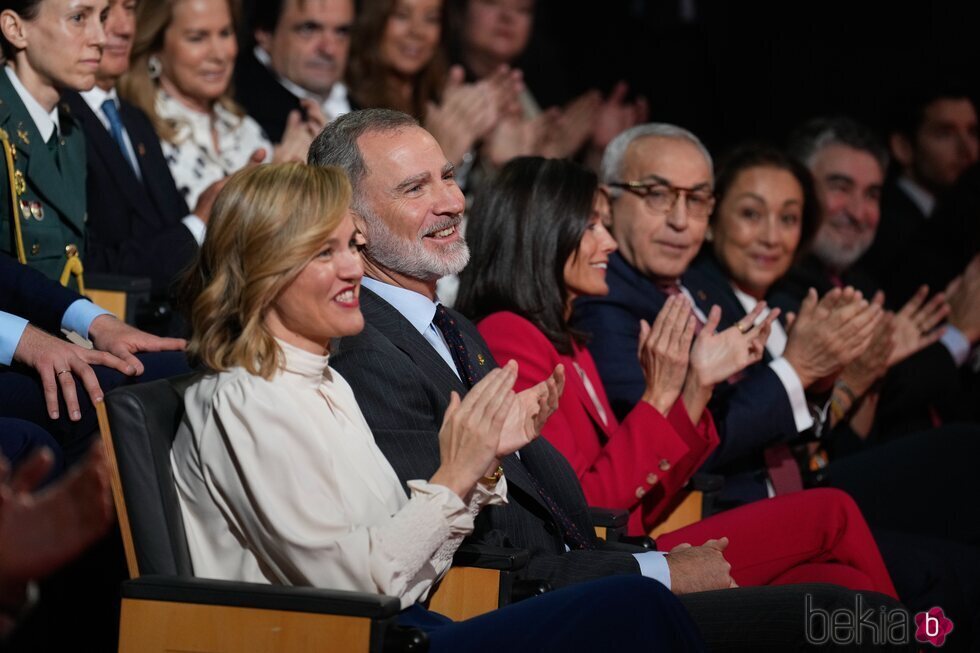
(25, 209)
(35, 248)
(37, 211)
(19, 184)
(22, 135)
(480, 359)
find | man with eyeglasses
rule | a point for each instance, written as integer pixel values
(659, 179)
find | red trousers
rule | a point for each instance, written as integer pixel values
(814, 536)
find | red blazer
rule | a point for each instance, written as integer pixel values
(638, 465)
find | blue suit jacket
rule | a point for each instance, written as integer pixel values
(30, 294)
(749, 415)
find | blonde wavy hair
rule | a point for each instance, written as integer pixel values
(153, 17)
(268, 222)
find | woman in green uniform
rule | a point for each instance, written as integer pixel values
(47, 45)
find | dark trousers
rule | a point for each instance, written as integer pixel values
(19, 438)
(624, 613)
(22, 397)
(923, 483)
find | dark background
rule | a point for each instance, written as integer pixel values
(749, 69)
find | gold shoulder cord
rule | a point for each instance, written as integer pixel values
(8, 153)
(73, 266)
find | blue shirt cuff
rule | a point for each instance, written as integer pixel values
(957, 344)
(11, 329)
(653, 564)
(79, 316)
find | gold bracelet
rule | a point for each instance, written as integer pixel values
(493, 479)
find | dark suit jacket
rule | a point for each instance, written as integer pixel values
(402, 386)
(134, 226)
(940, 248)
(901, 220)
(55, 187)
(749, 414)
(31, 295)
(264, 98)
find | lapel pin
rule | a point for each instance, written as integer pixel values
(480, 359)
(37, 211)
(702, 296)
(141, 149)
(22, 134)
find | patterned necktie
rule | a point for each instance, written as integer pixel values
(573, 536)
(116, 129)
(446, 324)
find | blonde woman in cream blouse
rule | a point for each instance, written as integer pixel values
(278, 475)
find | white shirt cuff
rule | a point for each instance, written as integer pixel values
(794, 390)
(11, 329)
(196, 226)
(79, 316)
(957, 344)
(653, 564)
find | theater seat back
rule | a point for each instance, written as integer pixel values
(144, 419)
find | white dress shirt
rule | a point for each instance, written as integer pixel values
(46, 121)
(776, 345)
(280, 481)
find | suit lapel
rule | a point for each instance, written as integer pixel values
(110, 156)
(58, 191)
(384, 317)
(403, 335)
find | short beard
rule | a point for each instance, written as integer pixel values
(838, 258)
(410, 257)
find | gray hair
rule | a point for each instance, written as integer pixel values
(611, 168)
(807, 140)
(337, 146)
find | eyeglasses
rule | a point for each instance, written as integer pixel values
(661, 198)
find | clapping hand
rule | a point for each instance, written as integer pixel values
(915, 324)
(664, 351)
(829, 333)
(471, 430)
(531, 411)
(717, 356)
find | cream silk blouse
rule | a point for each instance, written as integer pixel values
(281, 481)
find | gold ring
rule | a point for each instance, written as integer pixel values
(63, 372)
(743, 328)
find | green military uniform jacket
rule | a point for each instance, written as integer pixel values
(51, 207)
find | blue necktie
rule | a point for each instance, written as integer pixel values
(116, 129)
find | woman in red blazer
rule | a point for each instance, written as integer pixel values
(537, 242)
